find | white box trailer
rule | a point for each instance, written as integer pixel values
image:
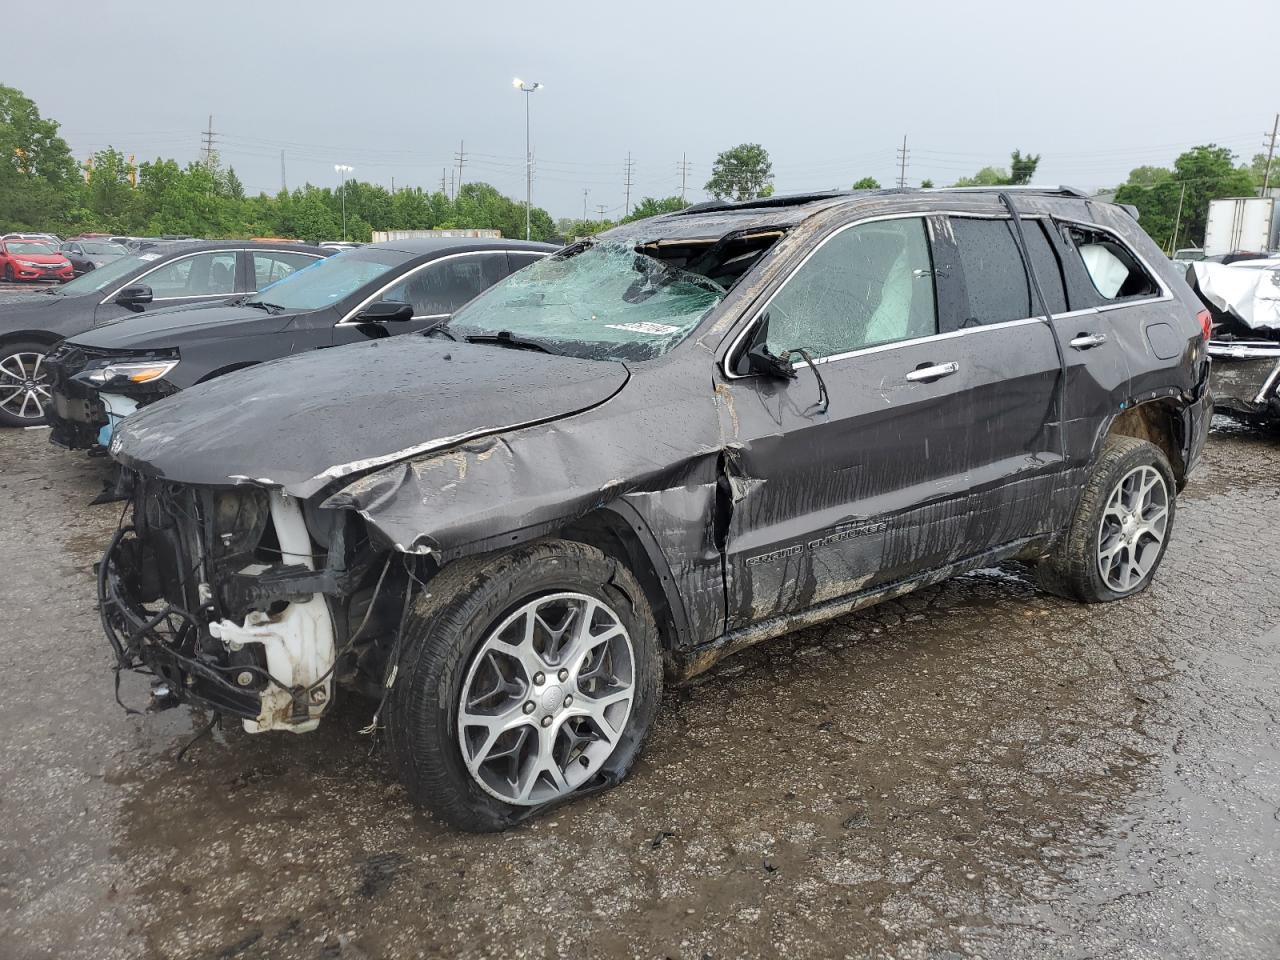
(1241, 225)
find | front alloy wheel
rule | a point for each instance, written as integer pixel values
(525, 678)
(24, 387)
(546, 699)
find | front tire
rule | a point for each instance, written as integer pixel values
(24, 384)
(1121, 527)
(525, 679)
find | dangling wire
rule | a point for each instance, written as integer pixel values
(823, 400)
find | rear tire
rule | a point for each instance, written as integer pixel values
(24, 384)
(1121, 527)
(503, 705)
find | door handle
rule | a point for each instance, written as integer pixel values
(1087, 341)
(933, 372)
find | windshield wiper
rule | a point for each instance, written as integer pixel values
(503, 338)
(440, 329)
(272, 308)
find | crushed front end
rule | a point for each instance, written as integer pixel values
(237, 598)
(94, 389)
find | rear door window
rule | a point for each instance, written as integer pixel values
(994, 276)
(272, 265)
(1045, 262)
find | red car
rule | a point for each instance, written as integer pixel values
(32, 260)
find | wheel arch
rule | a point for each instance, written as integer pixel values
(1159, 422)
(619, 531)
(229, 368)
(38, 336)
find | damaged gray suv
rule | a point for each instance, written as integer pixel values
(645, 452)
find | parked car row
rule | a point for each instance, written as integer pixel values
(579, 472)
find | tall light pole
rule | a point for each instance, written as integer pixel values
(343, 169)
(527, 89)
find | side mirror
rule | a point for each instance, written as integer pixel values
(759, 360)
(386, 311)
(135, 295)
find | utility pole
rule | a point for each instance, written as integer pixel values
(585, 192)
(1177, 220)
(684, 175)
(453, 193)
(903, 154)
(393, 186)
(600, 208)
(1271, 152)
(443, 188)
(461, 157)
(627, 184)
(208, 145)
(284, 181)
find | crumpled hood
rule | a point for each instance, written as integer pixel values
(185, 323)
(304, 422)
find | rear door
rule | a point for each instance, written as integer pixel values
(933, 445)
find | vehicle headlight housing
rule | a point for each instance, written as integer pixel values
(135, 371)
(32, 263)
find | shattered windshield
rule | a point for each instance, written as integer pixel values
(604, 301)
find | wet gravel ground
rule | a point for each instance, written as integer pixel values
(976, 770)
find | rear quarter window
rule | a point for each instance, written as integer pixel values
(1112, 269)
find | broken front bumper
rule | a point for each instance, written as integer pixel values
(1246, 376)
(273, 670)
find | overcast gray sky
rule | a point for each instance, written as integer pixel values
(828, 88)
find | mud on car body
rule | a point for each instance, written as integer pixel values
(650, 450)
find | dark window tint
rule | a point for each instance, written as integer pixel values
(519, 261)
(993, 273)
(443, 287)
(272, 265)
(1045, 262)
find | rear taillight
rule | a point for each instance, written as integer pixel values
(1206, 323)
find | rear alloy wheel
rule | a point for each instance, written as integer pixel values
(24, 385)
(526, 678)
(1121, 526)
(1131, 534)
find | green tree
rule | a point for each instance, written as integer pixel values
(926, 183)
(1022, 169)
(743, 172)
(986, 177)
(649, 207)
(40, 182)
(1206, 173)
(867, 183)
(110, 195)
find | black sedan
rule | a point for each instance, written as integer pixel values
(103, 375)
(185, 273)
(89, 255)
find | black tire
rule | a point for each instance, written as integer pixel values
(444, 631)
(1072, 570)
(10, 418)
(8, 273)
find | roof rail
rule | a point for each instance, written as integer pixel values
(1058, 189)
